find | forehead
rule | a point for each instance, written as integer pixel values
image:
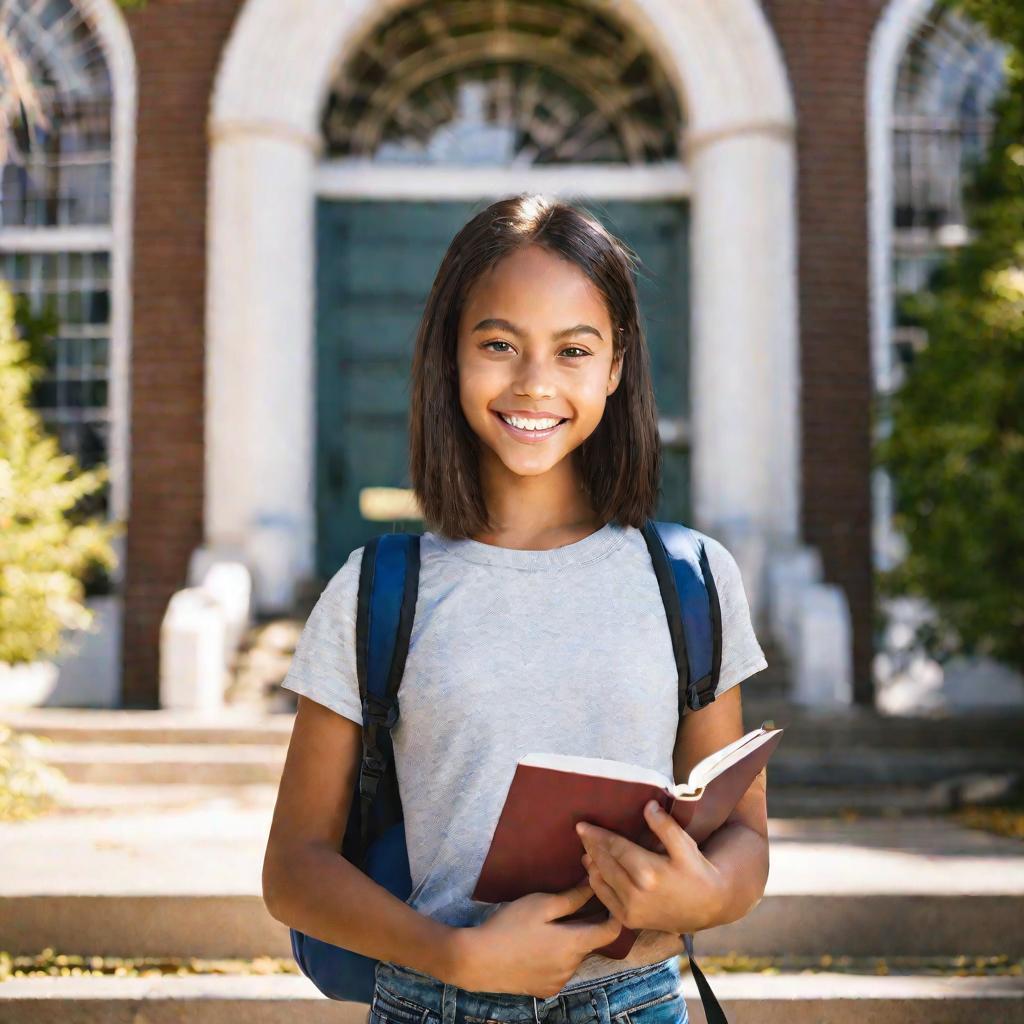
(534, 285)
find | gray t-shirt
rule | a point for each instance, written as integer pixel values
(515, 651)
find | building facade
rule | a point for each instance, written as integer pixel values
(252, 196)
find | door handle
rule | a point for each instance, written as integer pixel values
(674, 432)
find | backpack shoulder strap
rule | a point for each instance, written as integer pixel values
(388, 585)
(691, 602)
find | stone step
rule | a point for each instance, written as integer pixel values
(805, 729)
(879, 801)
(834, 998)
(102, 725)
(843, 766)
(89, 798)
(217, 926)
(134, 763)
(772, 682)
(809, 729)
(249, 763)
(187, 883)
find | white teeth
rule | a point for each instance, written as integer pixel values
(529, 424)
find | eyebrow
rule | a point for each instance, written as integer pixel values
(497, 323)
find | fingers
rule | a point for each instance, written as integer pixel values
(674, 838)
(594, 932)
(571, 899)
(630, 868)
(607, 895)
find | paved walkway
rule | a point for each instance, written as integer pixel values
(217, 846)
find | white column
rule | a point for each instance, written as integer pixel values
(745, 376)
(260, 466)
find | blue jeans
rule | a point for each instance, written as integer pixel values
(651, 994)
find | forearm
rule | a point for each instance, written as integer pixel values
(740, 855)
(319, 892)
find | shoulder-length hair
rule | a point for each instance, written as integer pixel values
(619, 464)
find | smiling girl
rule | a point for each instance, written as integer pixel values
(539, 626)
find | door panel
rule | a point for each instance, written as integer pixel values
(376, 262)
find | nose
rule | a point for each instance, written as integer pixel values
(534, 379)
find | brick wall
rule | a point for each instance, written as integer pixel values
(177, 49)
(825, 46)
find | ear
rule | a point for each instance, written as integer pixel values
(615, 375)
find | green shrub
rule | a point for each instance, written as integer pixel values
(46, 548)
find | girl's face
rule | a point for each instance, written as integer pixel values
(535, 343)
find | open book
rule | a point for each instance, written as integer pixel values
(535, 847)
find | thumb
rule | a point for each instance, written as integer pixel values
(594, 933)
(568, 900)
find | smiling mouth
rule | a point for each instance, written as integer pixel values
(523, 434)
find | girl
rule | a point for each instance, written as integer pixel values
(539, 626)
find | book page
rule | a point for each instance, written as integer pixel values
(718, 762)
(602, 767)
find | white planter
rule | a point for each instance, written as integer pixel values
(27, 684)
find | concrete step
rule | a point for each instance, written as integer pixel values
(229, 725)
(852, 767)
(772, 682)
(805, 729)
(279, 999)
(188, 883)
(196, 763)
(863, 728)
(855, 999)
(828, 801)
(926, 780)
(226, 926)
(89, 798)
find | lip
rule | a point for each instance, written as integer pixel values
(528, 436)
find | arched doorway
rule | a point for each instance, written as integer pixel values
(532, 84)
(736, 162)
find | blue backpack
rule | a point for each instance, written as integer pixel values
(374, 837)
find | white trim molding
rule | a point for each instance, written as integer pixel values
(265, 174)
(888, 44)
(107, 21)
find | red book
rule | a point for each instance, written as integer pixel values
(535, 847)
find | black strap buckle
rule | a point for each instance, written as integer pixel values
(380, 710)
(372, 771)
(700, 694)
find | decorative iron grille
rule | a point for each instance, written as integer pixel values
(502, 82)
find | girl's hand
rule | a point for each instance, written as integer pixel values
(522, 948)
(678, 891)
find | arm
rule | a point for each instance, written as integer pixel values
(309, 885)
(739, 849)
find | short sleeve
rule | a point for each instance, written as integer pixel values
(741, 653)
(323, 667)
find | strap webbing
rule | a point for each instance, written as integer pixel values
(712, 1010)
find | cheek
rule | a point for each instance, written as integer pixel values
(592, 394)
(476, 385)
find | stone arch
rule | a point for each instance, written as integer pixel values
(739, 143)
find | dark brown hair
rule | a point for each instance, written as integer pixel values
(619, 464)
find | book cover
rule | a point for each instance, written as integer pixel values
(535, 847)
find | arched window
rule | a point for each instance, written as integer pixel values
(526, 82)
(949, 73)
(56, 208)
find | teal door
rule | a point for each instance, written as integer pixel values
(376, 261)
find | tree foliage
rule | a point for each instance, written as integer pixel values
(955, 449)
(46, 547)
